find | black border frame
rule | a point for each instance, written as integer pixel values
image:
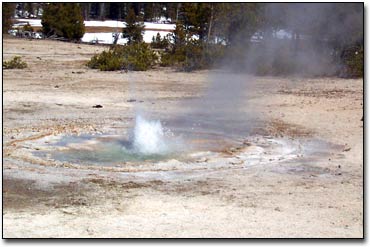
(212, 240)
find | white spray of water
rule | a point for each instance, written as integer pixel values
(149, 137)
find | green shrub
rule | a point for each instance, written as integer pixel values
(28, 28)
(353, 59)
(14, 63)
(106, 61)
(278, 65)
(275, 60)
(136, 56)
(214, 54)
(167, 59)
(193, 56)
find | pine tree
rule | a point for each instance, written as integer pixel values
(179, 34)
(63, 20)
(196, 18)
(237, 22)
(8, 11)
(149, 11)
(134, 28)
(86, 9)
(172, 11)
(179, 47)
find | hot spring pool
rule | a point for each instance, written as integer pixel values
(150, 145)
(99, 150)
(148, 141)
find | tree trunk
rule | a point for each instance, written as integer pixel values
(119, 13)
(102, 11)
(210, 26)
(177, 11)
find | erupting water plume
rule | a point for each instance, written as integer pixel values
(149, 137)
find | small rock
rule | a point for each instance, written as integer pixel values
(202, 160)
(236, 163)
(97, 106)
(277, 209)
(68, 211)
(247, 143)
(131, 100)
(56, 86)
(39, 58)
(346, 149)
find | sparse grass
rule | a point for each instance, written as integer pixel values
(14, 63)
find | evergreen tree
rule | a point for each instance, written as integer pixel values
(237, 22)
(102, 11)
(29, 8)
(134, 28)
(179, 35)
(196, 18)
(86, 9)
(149, 11)
(158, 38)
(172, 10)
(63, 20)
(8, 11)
(114, 11)
(158, 42)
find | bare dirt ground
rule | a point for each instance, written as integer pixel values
(311, 196)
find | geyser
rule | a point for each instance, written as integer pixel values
(148, 141)
(149, 137)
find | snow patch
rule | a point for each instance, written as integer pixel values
(108, 38)
(109, 23)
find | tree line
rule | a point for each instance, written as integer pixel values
(246, 35)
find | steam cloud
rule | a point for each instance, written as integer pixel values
(225, 107)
